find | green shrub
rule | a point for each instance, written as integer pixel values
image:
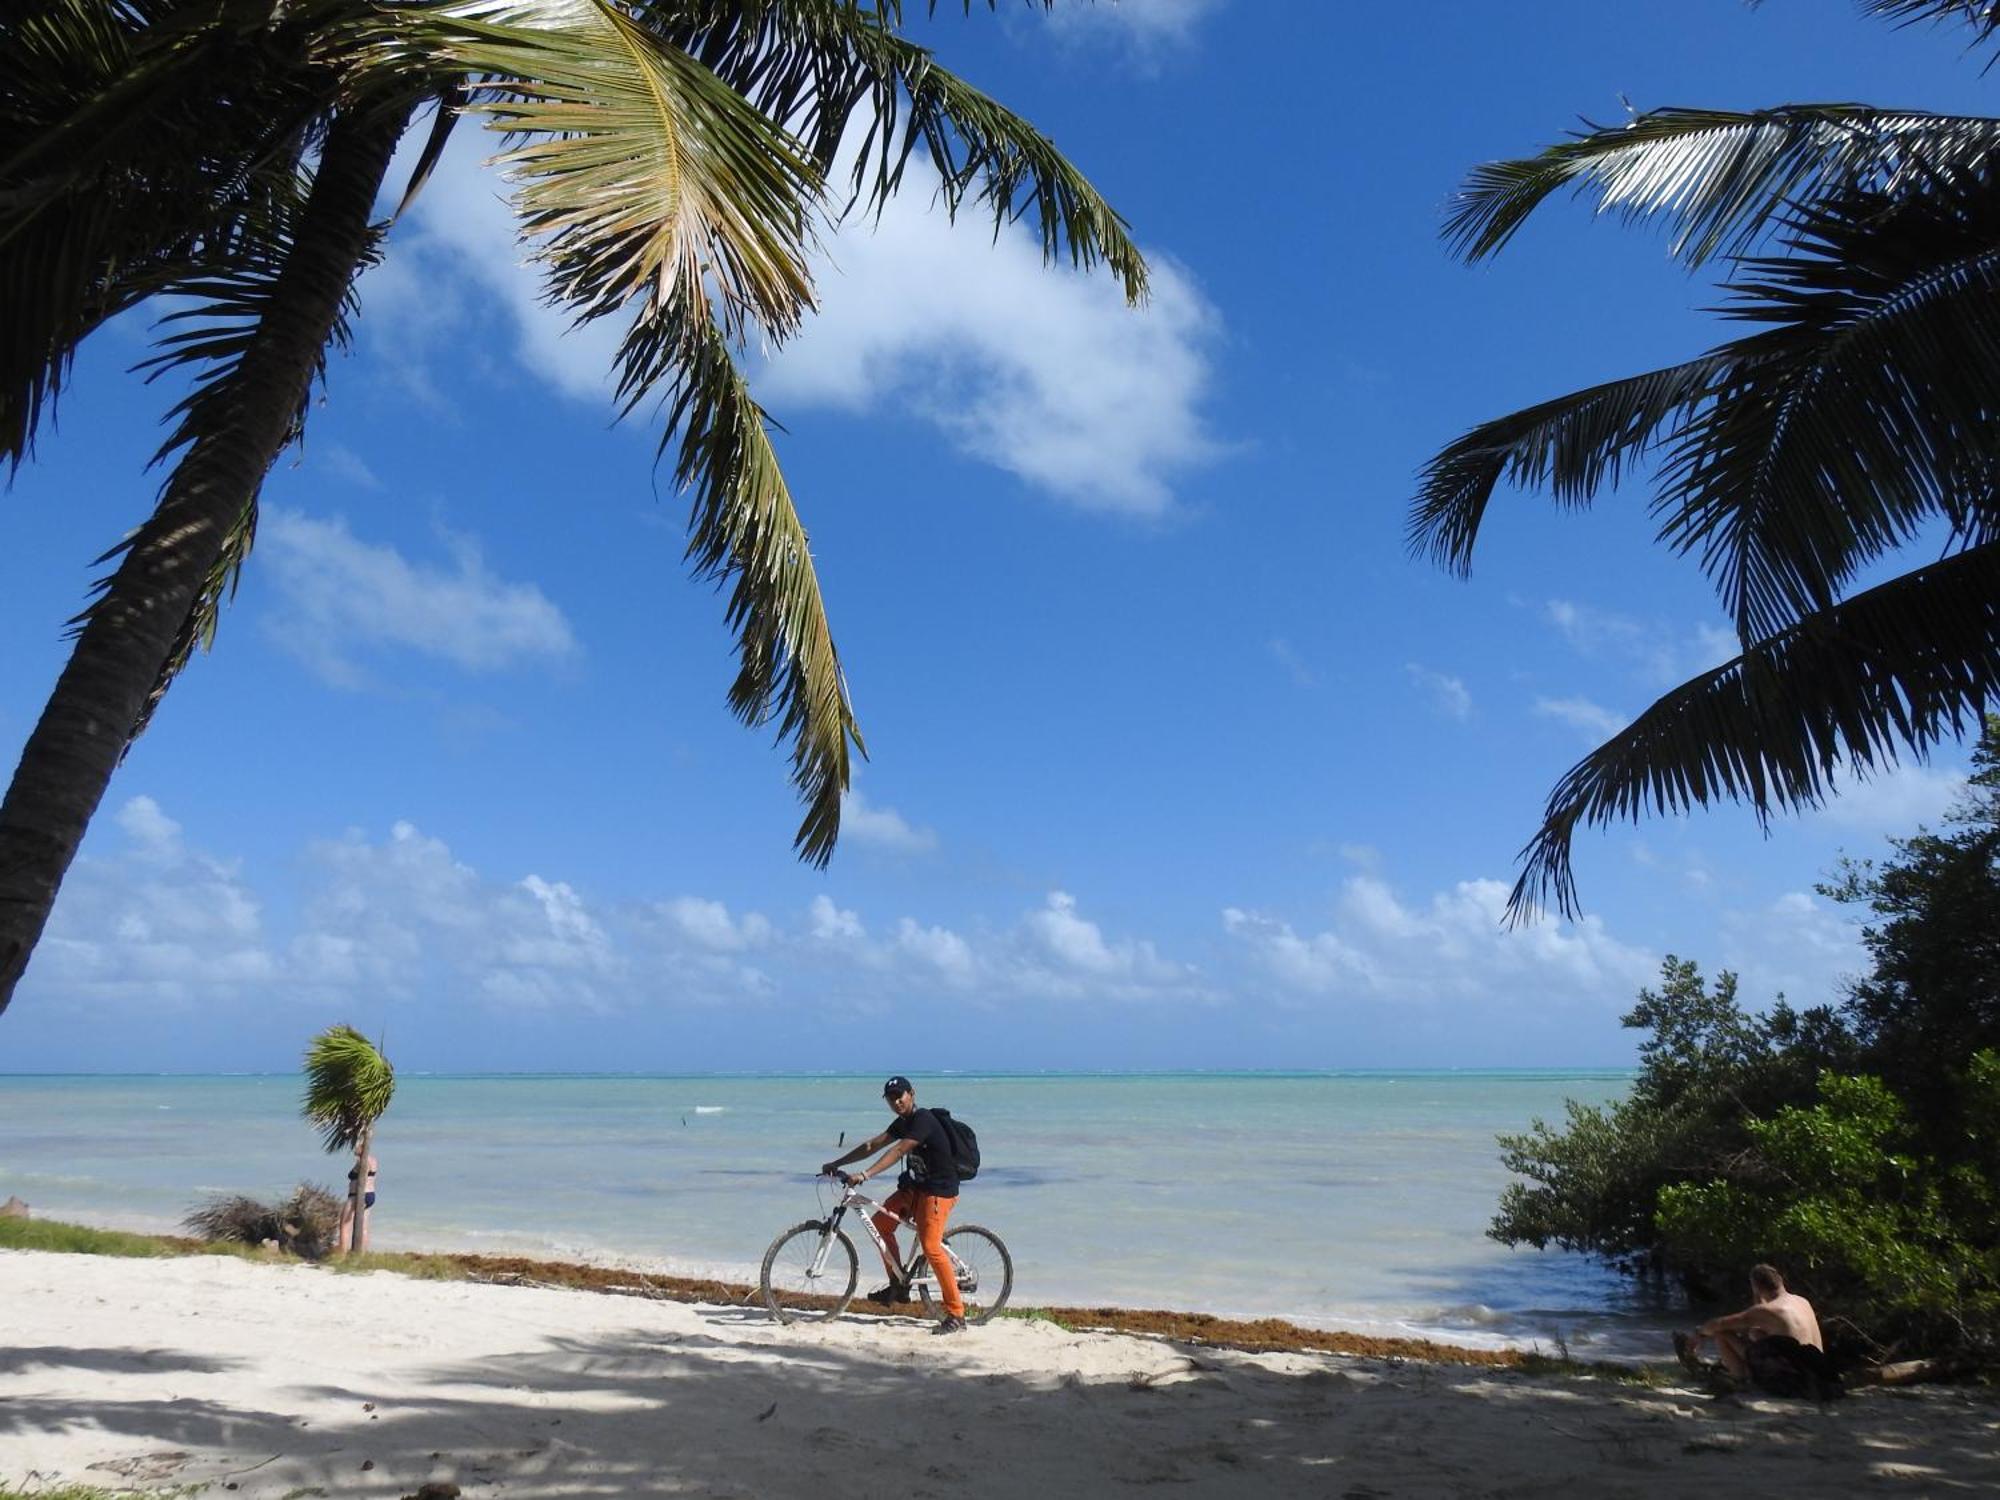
(1857, 1148)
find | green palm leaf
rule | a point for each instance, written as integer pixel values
(835, 71)
(123, 171)
(1720, 179)
(348, 1086)
(744, 532)
(1904, 664)
(1574, 446)
(640, 175)
(1869, 408)
(1795, 456)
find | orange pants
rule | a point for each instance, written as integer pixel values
(928, 1212)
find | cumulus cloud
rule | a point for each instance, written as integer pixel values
(1039, 370)
(1660, 654)
(1800, 946)
(1448, 695)
(456, 276)
(881, 827)
(401, 919)
(1593, 721)
(153, 921)
(1896, 801)
(1148, 27)
(1453, 947)
(339, 596)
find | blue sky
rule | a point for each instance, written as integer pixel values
(1178, 759)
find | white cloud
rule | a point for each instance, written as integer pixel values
(1593, 721)
(457, 285)
(153, 922)
(345, 463)
(1454, 947)
(1145, 25)
(152, 832)
(829, 923)
(1661, 655)
(1448, 695)
(1039, 370)
(939, 948)
(1059, 953)
(883, 827)
(339, 595)
(1893, 802)
(1799, 946)
(707, 924)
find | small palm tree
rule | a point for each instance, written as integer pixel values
(1862, 415)
(348, 1086)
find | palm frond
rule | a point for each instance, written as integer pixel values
(831, 69)
(639, 174)
(1795, 456)
(1866, 407)
(650, 184)
(349, 1084)
(744, 532)
(1574, 446)
(1895, 669)
(1982, 16)
(1720, 179)
(124, 166)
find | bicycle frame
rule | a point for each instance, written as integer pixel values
(854, 1198)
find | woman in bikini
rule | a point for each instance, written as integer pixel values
(347, 1208)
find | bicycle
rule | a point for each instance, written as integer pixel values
(811, 1270)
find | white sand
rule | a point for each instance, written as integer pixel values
(272, 1379)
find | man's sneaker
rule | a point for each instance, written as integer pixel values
(895, 1291)
(950, 1325)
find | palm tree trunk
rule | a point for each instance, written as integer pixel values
(357, 1189)
(89, 720)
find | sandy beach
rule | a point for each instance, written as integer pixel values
(286, 1380)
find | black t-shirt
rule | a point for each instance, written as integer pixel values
(929, 1168)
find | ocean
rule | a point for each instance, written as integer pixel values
(1351, 1200)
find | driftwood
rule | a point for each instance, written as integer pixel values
(1909, 1372)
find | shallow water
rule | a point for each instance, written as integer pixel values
(1354, 1200)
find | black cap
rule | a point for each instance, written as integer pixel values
(896, 1087)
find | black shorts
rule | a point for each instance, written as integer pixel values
(1780, 1364)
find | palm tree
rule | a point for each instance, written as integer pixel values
(1862, 415)
(673, 160)
(348, 1087)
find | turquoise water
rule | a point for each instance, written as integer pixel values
(1355, 1200)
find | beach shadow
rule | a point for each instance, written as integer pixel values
(658, 1412)
(110, 1361)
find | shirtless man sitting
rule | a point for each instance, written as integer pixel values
(1774, 1342)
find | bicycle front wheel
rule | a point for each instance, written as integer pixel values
(809, 1273)
(984, 1269)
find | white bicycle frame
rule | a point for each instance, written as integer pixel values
(853, 1197)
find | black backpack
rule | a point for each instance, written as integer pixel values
(964, 1144)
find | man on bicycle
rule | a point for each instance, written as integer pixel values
(926, 1193)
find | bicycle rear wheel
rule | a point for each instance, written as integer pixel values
(985, 1273)
(809, 1273)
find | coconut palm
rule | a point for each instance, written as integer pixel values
(348, 1087)
(1861, 416)
(672, 161)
